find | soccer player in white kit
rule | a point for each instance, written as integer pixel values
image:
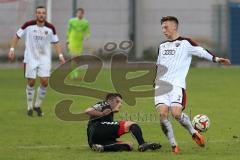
(176, 54)
(38, 34)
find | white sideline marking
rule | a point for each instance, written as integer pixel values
(79, 146)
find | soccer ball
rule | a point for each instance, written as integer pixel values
(201, 122)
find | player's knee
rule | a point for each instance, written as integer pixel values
(163, 112)
(163, 115)
(31, 83)
(44, 83)
(176, 116)
(127, 125)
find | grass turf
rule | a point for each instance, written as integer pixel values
(212, 91)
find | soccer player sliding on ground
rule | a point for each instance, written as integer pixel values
(103, 131)
(38, 35)
(176, 54)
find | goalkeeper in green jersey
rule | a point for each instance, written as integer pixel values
(78, 31)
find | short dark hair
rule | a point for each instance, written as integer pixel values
(39, 7)
(110, 96)
(80, 9)
(169, 18)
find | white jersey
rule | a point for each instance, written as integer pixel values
(37, 42)
(176, 55)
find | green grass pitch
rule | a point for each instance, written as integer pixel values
(212, 91)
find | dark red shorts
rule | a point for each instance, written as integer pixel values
(121, 130)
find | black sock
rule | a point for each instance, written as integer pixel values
(116, 147)
(137, 132)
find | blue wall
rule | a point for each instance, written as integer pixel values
(234, 32)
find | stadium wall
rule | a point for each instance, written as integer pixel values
(109, 20)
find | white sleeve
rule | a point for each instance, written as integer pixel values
(54, 38)
(21, 32)
(201, 52)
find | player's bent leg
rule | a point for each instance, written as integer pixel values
(119, 146)
(127, 125)
(130, 144)
(166, 124)
(136, 131)
(184, 120)
(113, 147)
(102, 137)
(30, 91)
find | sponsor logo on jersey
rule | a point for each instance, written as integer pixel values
(169, 52)
(179, 97)
(177, 44)
(110, 123)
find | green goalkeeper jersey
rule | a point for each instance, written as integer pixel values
(78, 29)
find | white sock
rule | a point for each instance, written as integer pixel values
(30, 95)
(186, 123)
(40, 96)
(168, 131)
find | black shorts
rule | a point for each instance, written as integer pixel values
(105, 132)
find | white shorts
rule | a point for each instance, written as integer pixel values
(41, 70)
(176, 97)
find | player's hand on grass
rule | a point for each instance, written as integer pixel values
(223, 61)
(11, 54)
(61, 58)
(106, 112)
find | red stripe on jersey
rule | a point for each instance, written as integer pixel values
(24, 69)
(213, 54)
(29, 23)
(49, 25)
(184, 99)
(193, 43)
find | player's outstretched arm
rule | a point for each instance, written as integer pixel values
(196, 50)
(11, 53)
(58, 50)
